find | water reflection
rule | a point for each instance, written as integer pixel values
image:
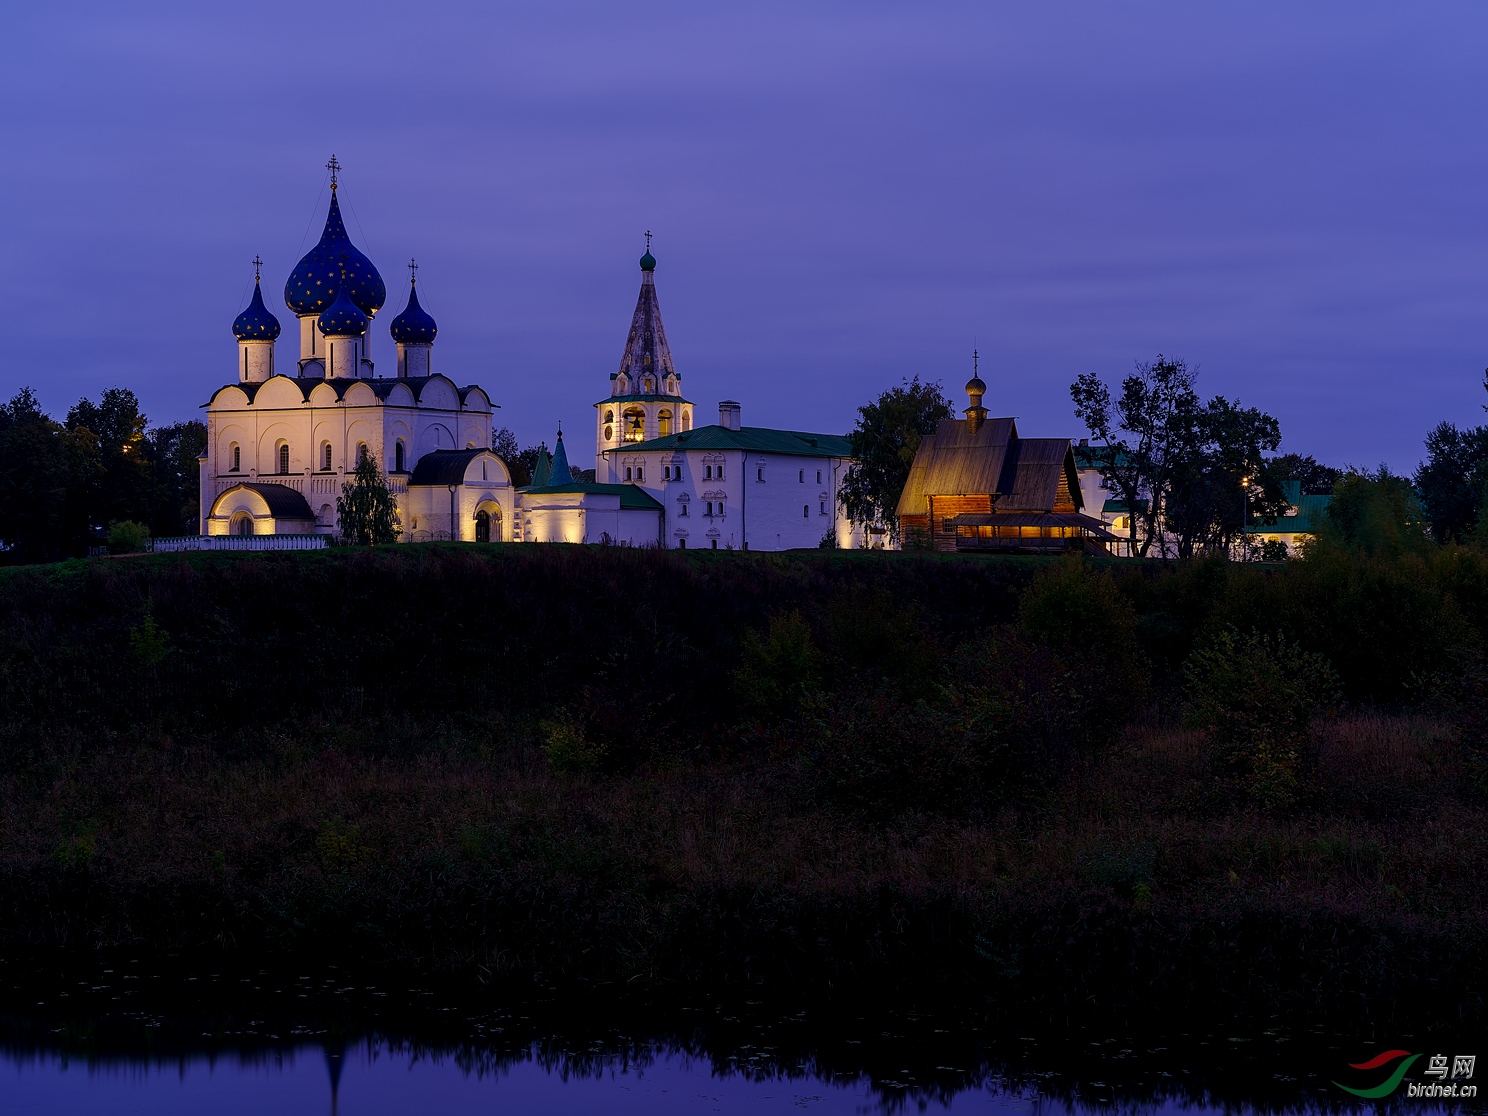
(370, 1078)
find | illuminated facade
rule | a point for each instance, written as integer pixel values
(722, 487)
(281, 441)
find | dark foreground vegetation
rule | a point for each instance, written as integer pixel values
(1058, 787)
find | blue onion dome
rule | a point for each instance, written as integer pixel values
(256, 323)
(648, 261)
(342, 318)
(313, 283)
(413, 326)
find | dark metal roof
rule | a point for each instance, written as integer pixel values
(1024, 473)
(646, 348)
(284, 502)
(342, 384)
(443, 467)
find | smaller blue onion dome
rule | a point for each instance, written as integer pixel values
(648, 261)
(413, 326)
(342, 318)
(256, 323)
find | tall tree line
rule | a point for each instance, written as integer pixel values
(62, 484)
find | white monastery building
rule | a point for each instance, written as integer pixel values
(282, 442)
(724, 486)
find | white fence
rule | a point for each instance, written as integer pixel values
(240, 542)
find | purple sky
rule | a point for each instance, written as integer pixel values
(1290, 196)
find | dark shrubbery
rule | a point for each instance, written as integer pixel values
(1256, 696)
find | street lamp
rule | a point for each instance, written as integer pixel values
(1244, 517)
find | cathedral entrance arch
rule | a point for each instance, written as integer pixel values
(241, 524)
(482, 526)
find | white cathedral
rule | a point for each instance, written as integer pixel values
(280, 446)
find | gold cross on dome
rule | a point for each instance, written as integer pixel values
(648, 240)
(334, 167)
(412, 272)
(257, 263)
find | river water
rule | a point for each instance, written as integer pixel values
(128, 1038)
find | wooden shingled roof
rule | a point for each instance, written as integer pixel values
(959, 461)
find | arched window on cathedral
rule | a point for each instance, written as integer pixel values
(609, 426)
(361, 452)
(236, 454)
(664, 423)
(325, 456)
(398, 456)
(283, 457)
(686, 420)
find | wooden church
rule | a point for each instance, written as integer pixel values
(976, 486)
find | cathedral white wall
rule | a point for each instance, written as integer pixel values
(279, 413)
(414, 360)
(255, 361)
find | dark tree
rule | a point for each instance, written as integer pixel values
(1190, 472)
(46, 473)
(1223, 481)
(1453, 480)
(1316, 479)
(1376, 513)
(123, 485)
(884, 444)
(365, 507)
(173, 451)
(1146, 436)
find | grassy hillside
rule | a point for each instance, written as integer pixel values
(855, 773)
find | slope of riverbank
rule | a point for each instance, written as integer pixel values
(843, 776)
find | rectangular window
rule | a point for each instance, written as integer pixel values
(707, 472)
(818, 476)
(759, 474)
(718, 473)
(806, 511)
(824, 507)
(803, 476)
(640, 472)
(627, 472)
(683, 512)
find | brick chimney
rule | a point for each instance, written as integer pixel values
(728, 415)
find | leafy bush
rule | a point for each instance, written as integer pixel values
(128, 537)
(569, 749)
(1078, 611)
(989, 732)
(778, 671)
(1256, 695)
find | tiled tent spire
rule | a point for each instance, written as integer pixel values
(646, 348)
(543, 469)
(559, 472)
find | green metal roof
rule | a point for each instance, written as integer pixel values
(1310, 512)
(752, 439)
(1092, 457)
(639, 398)
(631, 497)
(1119, 507)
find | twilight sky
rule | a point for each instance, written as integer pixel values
(1291, 196)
